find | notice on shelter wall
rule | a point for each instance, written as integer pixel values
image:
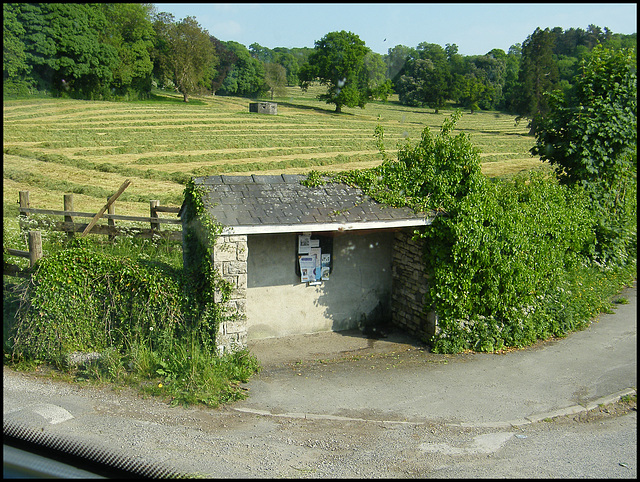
(317, 272)
(307, 268)
(326, 266)
(314, 264)
(304, 244)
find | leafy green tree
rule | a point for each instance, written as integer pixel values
(275, 75)
(396, 60)
(590, 136)
(227, 59)
(263, 54)
(64, 48)
(538, 74)
(291, 65)
(190, 56)
(247, 76)
(130, 32)
(426, 79)
(438, 79)
(511, 87)
(373, 72)
(337, 62)
(162, 23)
(15, 69)
(471, 90)
(411, 85)
(458, 68)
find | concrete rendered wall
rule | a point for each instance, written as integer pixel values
(278, 304)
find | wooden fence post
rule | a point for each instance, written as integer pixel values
(153, 204)
(112, 222)
(35, 247)
(24, 199)
(68, 206)
(24, 203)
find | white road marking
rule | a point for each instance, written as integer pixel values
(53, 413)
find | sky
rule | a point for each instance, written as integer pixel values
(476, 28)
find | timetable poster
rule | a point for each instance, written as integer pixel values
(307, 268)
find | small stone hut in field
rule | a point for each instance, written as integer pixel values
(310, 259)
(264, 107)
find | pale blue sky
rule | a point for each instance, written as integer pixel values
(476, 28)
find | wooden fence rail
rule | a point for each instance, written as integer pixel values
(70, 226)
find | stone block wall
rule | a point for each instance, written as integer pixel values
(230, 260)
(409, 287)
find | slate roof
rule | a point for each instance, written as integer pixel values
(280, 203)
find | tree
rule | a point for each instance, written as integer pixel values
(64, 48)
(426, 79)
(275, 75)
(15, 69)
(538, 74)
(412, 86)
(227, 59)
(511, 86)
(263, 54)
(590, 136)
(189, 55)
(438, 78)
(337, 62)
(130, 32)
(246, 78)
(396, 59)
(290, 63)
(373, 76)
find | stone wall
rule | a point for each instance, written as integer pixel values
(410, 285)
(230, 260)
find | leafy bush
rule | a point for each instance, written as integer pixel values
(81, 300)
(504, 266)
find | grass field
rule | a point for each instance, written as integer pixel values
(58, 146)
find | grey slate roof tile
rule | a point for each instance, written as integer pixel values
(272, 200)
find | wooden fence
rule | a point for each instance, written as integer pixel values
(71, 226)
(34, 254)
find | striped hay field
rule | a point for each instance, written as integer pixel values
(57, 146)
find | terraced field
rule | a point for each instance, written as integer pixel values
(57, 146)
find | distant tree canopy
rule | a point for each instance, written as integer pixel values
(122, 50)
(189, 57)
(276, 78)
(247, 76)
(338, 62)
(64, 50)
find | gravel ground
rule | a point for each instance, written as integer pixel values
(224, 442)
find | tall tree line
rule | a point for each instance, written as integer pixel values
(515, 81)
(121, 51)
